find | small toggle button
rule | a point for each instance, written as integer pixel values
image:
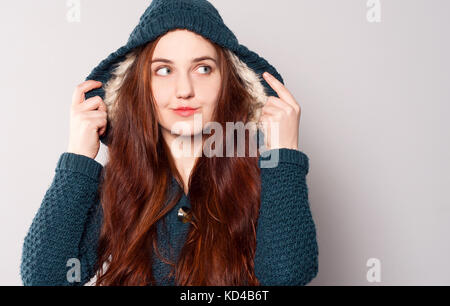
(184, 214)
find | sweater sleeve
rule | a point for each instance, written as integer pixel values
(60, 246)
(287, 251)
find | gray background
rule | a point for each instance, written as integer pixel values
(374, 100)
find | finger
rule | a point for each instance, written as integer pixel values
(102, 106)
(98, 119)
(281, 105)
(278, 103)
(264, 127)
(266, 120)
(279, 88)
(271, 110)
(91, 104)
(94, 103)
(101, 131)
(78, 95)
(95, 114)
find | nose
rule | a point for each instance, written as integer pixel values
(184, 87)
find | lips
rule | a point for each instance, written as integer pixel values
(185, 108)
(185, 111)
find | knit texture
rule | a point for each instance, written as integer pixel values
(68, 222)
(67, 225)
(199, 16)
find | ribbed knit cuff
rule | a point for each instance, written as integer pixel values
(291, 156)
(80, 163)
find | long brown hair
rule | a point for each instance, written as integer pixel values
(224, 192)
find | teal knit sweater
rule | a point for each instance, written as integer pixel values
(68, 222)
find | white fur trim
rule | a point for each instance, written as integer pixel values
(251, 81)
(113, 85)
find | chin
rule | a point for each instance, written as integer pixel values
(191, 133)
(186, 132)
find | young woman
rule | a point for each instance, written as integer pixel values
(153, 216)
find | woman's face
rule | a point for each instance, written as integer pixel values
(185, 73)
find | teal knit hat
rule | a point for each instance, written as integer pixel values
(198, 16)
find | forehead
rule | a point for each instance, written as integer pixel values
(182, 44)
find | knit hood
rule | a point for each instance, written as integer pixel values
(198, 16)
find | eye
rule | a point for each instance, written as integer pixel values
(205, 67)
(161, 69)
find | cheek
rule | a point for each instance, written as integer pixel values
(208, 92)
(161, 94)
(162, 103)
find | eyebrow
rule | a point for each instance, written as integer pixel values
(195, 60)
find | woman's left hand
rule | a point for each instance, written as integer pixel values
(284, 112)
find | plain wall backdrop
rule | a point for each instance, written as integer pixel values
(375, 122)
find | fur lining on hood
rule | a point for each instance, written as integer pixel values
(200, 17)
(252, 83)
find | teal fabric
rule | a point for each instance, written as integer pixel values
(198, 16)
(68, 222)
(67, 225)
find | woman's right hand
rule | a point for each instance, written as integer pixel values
(88, 119)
